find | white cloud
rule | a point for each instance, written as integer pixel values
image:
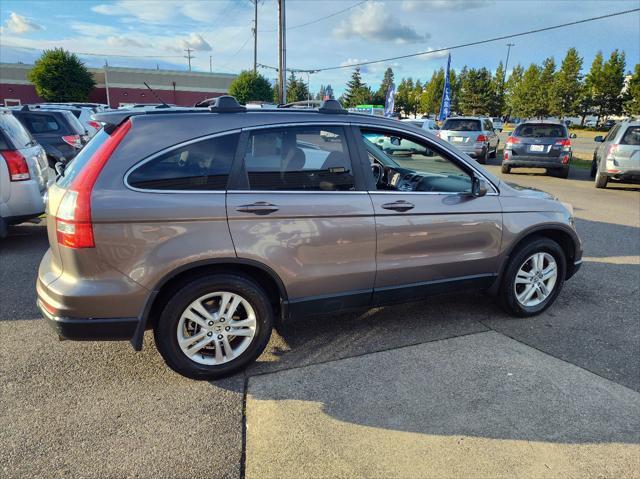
(375, 22)
(434, 56)
(124, 42)
(353, 61)
(18, 24)
(195, 42)
(93, 29)
(164, 11)
(430, 5)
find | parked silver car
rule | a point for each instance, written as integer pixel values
(472, 134)
(24, 173)
(617, 156)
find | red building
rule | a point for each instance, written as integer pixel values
(121, 86)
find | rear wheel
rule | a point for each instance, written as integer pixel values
(494, 153)
(214, 326)
(482, 159)
(506, 169)
(601, 180)
(533, 278)
(594, 168)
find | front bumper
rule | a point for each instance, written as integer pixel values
(90, 329)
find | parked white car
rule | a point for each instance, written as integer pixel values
(591, 123)
(426, 124)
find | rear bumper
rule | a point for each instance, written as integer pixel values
(25, 200)
(536, 162)
(90, 329)
(624, 175)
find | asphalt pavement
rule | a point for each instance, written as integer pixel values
(102, 410)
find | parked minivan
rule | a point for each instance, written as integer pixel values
(207, 224)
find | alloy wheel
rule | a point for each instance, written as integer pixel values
(536, 278)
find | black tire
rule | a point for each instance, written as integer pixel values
(506, 169)
(601, 180)
(594, 168)
(560, 172)
(483, 159)
(4, 228)
(507, 295)
(165, 331)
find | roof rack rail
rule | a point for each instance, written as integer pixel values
(332, 107)
(227, 104)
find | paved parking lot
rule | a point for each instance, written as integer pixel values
(450, 386)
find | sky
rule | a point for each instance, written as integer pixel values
(146, 33)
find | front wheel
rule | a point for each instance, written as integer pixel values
(214, 326)
(506, 169)
(533, 278)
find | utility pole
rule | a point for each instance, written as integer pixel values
(106, 82)
(282, 52)
(255, 36)
(506, 63)
(189, 56)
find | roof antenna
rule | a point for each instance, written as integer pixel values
(164, 105)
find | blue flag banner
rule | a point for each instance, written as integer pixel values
(445, 104)
(390, 102)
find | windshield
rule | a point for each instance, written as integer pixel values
(529, 130)
(460, 124)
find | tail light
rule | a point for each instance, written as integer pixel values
(564, 143)
(73, 218)
(506, 156)
(565, 159)
(17, 165)
(481, 138)
(612, 149)
(94, 124)
(512, 140)
(73, 140)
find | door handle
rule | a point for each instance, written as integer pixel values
(399, 205)
(258, 208)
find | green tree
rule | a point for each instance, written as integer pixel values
(432, 93)
(329, 92)
(545, 97)
(249, 86)
(512, 88)
(498, 87)
(567, 86)
(405, 96)
(525, 99)
(321, 93)
(380, 97)
(60, 76)
(603, 86)
(476, 93)
(632, 93)
(415, 96)
(296, 89)
(357, 92)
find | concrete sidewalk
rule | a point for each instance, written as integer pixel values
(481, 405)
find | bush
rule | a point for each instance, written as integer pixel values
(60, 76)
(249, 86)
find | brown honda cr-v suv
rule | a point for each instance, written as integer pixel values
(206, 224)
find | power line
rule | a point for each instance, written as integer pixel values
(464, 45)
(98, 54)
(317, 20)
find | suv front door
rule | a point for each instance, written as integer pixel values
(432, 234)
(298, 206)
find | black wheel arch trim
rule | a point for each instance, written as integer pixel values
(136, 340)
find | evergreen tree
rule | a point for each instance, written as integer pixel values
(632, 93)
(512, 87)
(405, 97)
(60, 76)
(498, 88)
(415, 97)
(321, 93)
(476, 93)
(545, 97)
(567, 86)
(380, 97)
(432, 93)
(329, 92)
(296, 89)
(357, 92)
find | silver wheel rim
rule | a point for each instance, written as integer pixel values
(536, 279)
(216, 328)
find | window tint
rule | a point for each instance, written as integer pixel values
(301, 158)
(410, 165)
(631, 136)
(14, 132)
(488, 126)
(612, 132)
(203, 165)
(459, 124)
(531, 130)
(41, 123)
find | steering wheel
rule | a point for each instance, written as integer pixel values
(377, 172)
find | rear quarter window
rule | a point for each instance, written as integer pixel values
(631, 136)
(462, 125)
(14, 134)
(202, 166)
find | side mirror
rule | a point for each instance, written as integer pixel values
(478, 187)
(395, 141)
(573, 135)
(59, 167)
(599, 139)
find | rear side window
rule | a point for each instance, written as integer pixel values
(631, 136)
(299, 158)
(202, 165)
(613, 132)
(41, 123)
(14, 133)
(531, 130)
(459, 124)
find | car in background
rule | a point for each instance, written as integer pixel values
(239, 219)
(84, 114)
(473, 135)
(498, 124)
(427, 124)
(58, 131)
(539, 144)
(617, 157)
(609, 124)
(24, 173)
(591, 123)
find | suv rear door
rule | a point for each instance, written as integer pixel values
(298, 206)
(627, 151)
(541, 141)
